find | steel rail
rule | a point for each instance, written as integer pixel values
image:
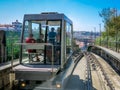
(89, 77)
(104, 73)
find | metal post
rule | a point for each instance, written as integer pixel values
(52, 60)
(116, 29)
(100, 34)
(12, 53)
(95, 33)
(107, 35)
(116, 38)
(91, 37)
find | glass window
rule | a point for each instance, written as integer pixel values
(32, 33)
(53, 31)
(35, 30)
(68, 39)
(38, 33)
(54, 38)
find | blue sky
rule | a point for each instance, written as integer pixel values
(83, 13)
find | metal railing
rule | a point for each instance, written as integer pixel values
(113, 45)
(10, 51)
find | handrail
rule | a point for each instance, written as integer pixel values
(39, 46)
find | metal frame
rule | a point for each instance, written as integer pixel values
(52, 17)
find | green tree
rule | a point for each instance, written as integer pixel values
(107, 14)
(111, 34)
(111, 21)
(114, 26)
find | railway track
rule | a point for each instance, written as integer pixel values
(88, 72)
(97, 76)
(105, 75)
(111, 72)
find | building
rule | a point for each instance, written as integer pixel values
(6, 27)
(15, 26)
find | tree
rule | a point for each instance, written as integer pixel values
(112, 27)
(107, 14)
(111, 21)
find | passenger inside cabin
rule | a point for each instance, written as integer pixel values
(57, 47)
(58, 31)
(41, 39)
(52, 36)
(30, 39)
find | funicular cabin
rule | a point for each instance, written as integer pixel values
(51, 48)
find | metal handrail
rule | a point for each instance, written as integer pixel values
(39, 46)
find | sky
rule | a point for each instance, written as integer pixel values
(83, 13)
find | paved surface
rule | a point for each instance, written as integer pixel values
(77, 80)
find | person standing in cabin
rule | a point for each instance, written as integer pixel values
(52, 36)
